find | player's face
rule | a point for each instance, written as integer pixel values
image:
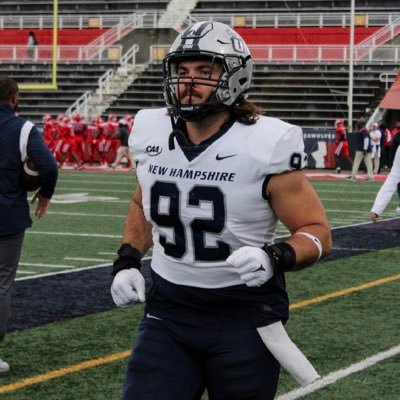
(197, 80)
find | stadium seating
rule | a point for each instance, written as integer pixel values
(309, 94)
(312, 96)
(292, 6)
(74, 79)
(80, 6)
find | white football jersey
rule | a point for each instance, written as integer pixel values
(203, 209)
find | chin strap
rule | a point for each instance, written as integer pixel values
(176, 133)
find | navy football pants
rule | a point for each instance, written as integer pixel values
(177, 362)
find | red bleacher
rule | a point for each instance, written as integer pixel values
(45, 36)
(301, 36)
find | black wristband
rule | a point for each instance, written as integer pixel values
(128, 257)
(282, 255)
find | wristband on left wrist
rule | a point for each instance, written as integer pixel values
(128, 257)
(282, 256)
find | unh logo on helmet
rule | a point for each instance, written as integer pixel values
(238, 45)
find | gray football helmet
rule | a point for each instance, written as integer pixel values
(218, 43)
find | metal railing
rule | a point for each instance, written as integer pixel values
(129, 58)
(64, 21)
(313, 54)
(113, 35)
(104, 83)
(80, 105)
(322, 20)
(387, 77)
(150, 19)
(384, 34)
(65, 53)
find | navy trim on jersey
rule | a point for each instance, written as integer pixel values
(192, 150)
(264, 188)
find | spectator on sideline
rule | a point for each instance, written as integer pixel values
(396, 128)
(387, 190)
(32, 45)
(342, 145)
(375, 136)
(14, 207)
(123, 150)
(393, 149)
(214, 176)
(386, 143)
(363, 151)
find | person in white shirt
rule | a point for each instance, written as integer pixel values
(375, 136)
(387, 190)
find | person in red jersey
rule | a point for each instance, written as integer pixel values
(52, 136)
(47, 128)
(69, 149)
(94, 137)
(105, 143)
(80, 132)
(129, 120)
(342, 145)
(113, 125)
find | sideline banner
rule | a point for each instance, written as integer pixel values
(320, 147)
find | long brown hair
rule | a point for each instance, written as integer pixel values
(246, 112)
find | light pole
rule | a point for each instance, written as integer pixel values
(351, 72)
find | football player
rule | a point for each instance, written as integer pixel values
(214, 177)
(80, 136)
(342, 145)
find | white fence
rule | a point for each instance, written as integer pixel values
(321, 20)
(64, 53)
(313, 54)
(150, 20)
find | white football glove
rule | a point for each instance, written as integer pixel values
(128, 287)
(252, 264)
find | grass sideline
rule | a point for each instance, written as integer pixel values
(334, 333)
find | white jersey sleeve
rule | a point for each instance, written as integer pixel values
(389, 187)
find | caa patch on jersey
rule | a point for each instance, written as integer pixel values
(30, 176)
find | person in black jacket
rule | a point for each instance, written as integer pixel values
(14, 207)
(363, 151)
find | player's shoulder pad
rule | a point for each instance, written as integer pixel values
(279, 145)
(151, 127)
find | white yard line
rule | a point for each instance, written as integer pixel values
(45, 265)
(87, 259)
(26, 272)
(82, 214)
(69, 271)
(90, 190)
(343, 199)
(92, 182)
(74, 234)
(340, 374)
(363, 223)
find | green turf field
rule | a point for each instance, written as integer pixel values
(344, 311)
